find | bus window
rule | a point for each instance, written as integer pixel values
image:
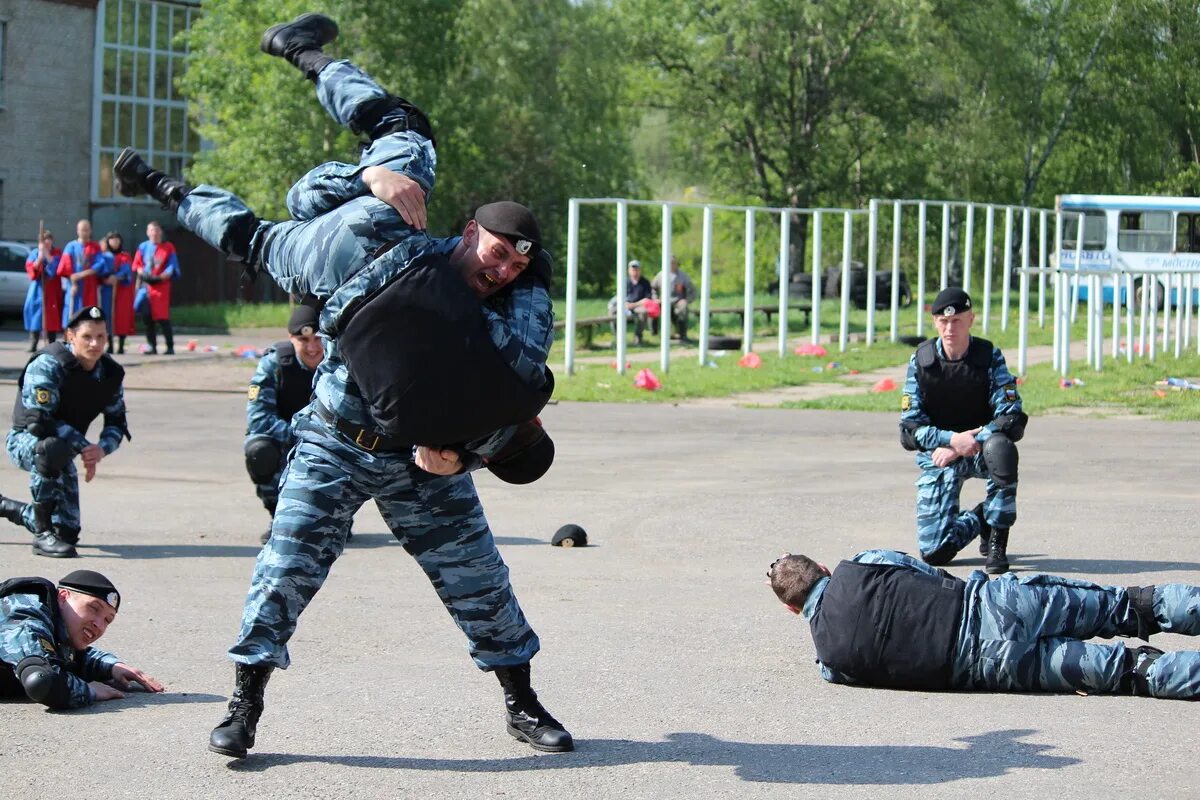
(1187, 233)
(1095, 230)
(1145, 232)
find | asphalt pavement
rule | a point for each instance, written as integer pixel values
(664, 651)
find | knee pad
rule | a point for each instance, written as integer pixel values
(940, 557)
(51, 456)
(1137, 665)
(1000, 456)
(389, 114)
(263, 458)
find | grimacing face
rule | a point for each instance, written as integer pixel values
(486, 261)
(86, 617)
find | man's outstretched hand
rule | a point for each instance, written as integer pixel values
(400, 192)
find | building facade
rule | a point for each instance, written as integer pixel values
(80, 80)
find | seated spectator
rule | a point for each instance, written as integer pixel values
(637, 295)
(683, 292)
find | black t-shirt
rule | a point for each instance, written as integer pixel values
(637, 291)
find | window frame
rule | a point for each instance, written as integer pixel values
(1131, 240)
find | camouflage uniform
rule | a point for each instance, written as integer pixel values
(263, 419)
(27, 629)
(327, 251)
(1027, 633)
(939, 520)
(43, 378)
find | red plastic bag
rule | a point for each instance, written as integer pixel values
(647, 380)
(751, 360)
(811, 350)
(884, 385)
(653, 308)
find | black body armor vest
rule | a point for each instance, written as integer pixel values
(419, 352)
(294, 381)
(81, 398)
(957, 395)
(889, 626)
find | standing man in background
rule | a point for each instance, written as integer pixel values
(44, 300)
(157, 264)
(78, 266)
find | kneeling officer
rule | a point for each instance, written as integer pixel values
(281, 386)
(46, 637)
(62, 390)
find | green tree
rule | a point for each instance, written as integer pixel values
(524, 99)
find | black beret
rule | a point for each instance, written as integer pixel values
(950, 301)
(513, 221)
(570, 535)
(303, 317)
(85, 581)
(86, 314)
(526, 457)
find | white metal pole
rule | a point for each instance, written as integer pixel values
(1177, 279)
(1058, 298)
(1129, 309)
(1143, 320)
(1091, 320)
(1023, 324)
(872, 265)
(1187, 309)
(1150, 291)
(1116, 316)
(572, 282)
(1042, 246)
(816, 279)
(847, 242)
(1099, 280)
(785, 278)
(622, 255)
(1026, 261)
(1006, 280)
(1064, 359)
(968, 245)
(945, 273)
(668, 284)
(1166, 315)
(705, 281)
(748, 289)
(895, 272)
(922, 220)
(989, 243)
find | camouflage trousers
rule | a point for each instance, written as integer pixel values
(939, 519)
(1030, 635)
(438, 520)
(62, 493)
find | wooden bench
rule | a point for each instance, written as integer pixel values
(769, 309)
(587, 326)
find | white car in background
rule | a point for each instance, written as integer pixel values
(14, 283)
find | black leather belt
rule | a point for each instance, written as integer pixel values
(368, 439)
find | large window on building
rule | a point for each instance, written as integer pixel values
(139, 56)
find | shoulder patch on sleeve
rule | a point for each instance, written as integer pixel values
(47, 645)
(252, 393)
(905, 402)
(1010, 392)
(42, 395)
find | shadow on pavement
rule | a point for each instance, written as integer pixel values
(984, 756)
(1037, 562)
(140, 699)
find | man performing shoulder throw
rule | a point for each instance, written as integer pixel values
(421, 381)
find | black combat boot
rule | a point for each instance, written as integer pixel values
(133, 177)
(300, 42)
(12, 510)
(527, 719)
(68, 535)
(47, 543)
(985, 530)
(997, 556)
(266, 536)
(33, 341)
(235, 735)
(151, 337)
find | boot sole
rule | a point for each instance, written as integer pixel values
(225, 752)
(329, 32)
(71, 554)
(124, 188)
(996, 569)
(523, 737)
